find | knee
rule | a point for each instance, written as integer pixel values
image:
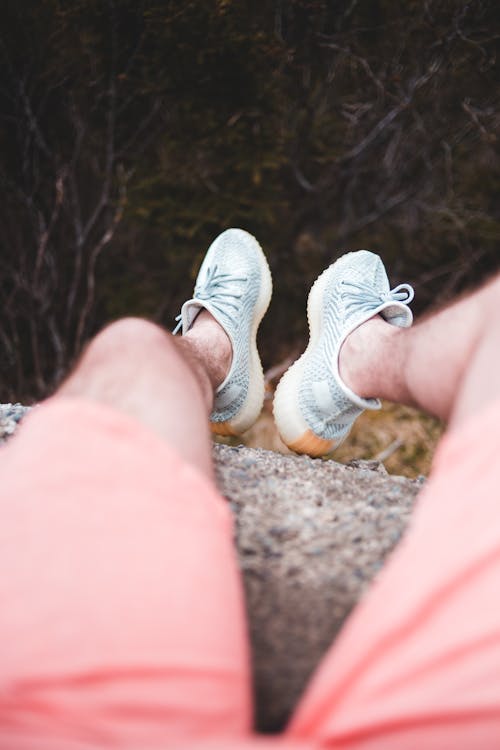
(127, 337)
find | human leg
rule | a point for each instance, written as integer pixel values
(447, 364)
(126, 623)
(166, 383)
(418, 662)
(362, 348)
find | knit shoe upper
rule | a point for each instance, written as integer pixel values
(234, 285)
(313, 408)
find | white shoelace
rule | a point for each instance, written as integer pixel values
(363, 297)
(215, 287)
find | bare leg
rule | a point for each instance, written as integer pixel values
(448, 364)
(132, 613)
(164, 382)
(409, 666)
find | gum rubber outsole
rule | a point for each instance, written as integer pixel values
(223, 429)
(312, 445)
(255, 397)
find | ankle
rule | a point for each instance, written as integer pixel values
(211, 346)
(361, 359)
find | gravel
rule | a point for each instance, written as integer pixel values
(10, 416)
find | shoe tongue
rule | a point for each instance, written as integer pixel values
(192, 308)
(189, 311)
(397, 314)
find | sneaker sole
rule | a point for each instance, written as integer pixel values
(293, 428)
(254, 401)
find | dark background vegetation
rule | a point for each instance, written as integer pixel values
(133, 132)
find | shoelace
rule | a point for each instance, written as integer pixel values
(215, 287)
(364, 297)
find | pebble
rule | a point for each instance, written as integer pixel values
(10, 416)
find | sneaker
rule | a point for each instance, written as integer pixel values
(234, 284)
(313, 408)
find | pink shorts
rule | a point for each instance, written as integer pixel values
(122, 617)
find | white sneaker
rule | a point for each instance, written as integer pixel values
(313, 408)
(234, 284)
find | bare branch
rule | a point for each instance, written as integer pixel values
(96, 251)
(362, 62)
(416, 84)
(45, 236)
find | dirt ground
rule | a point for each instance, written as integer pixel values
(404, 439)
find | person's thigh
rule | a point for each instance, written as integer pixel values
(418, 663)
(121, 619)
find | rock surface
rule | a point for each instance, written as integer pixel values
(310, 535)
(10, 416)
